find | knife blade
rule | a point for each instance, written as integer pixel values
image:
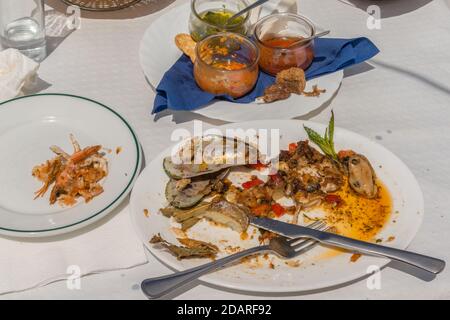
(292, 231)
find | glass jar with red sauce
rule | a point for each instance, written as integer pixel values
(277, 37)
(226, 64)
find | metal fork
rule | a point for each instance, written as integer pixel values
(286, 248)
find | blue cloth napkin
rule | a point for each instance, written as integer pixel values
(178, 90)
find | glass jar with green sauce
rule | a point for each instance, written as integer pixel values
(209, 17)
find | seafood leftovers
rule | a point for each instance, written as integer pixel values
(72, 175)
(342, 186)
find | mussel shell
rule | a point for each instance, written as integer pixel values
(217, 153)
(194, 191)
(186, 171)
(189, 196)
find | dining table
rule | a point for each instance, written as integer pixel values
(400, 99)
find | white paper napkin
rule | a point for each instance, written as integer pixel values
(109, 244)
(16, 73)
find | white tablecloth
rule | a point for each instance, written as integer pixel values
(401, 98)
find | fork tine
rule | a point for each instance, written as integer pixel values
(318, 225)
(305, 245)
(300, 242)
(311, 244)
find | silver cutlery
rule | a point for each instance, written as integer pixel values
(246, 9)
(304, 40)
(426, 263)
(286, 248)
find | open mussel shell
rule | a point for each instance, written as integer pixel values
(186, 171)
(209, 154)
(186, 193)
(189, 196)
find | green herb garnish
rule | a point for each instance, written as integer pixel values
(325, 143)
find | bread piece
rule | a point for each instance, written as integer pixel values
(292, 79)
(273, 93)
(186, 44)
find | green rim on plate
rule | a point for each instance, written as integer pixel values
(133, 176)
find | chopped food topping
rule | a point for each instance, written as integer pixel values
(355, 257)
(276, 179)
(244, 235)
(333, 198)
(278, 209)
(258, 166)
(261, 210)
(293, 263)
(252, 183)
(293, 147)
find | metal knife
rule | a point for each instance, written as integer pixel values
(426, 263)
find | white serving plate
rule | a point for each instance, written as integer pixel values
(28, 127)
(319, 268)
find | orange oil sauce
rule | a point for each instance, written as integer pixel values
(358, 217)
(281, 42)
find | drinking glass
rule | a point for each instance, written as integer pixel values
(22, 27)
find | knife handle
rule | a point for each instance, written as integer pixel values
(427, 263)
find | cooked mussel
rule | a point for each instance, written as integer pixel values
(209, 154)
(361, 175)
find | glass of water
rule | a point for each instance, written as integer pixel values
(22, 26)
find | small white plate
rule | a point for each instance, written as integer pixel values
(319, 268)
(28, 127)
(158, 53)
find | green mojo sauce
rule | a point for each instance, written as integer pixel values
(217, 21)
